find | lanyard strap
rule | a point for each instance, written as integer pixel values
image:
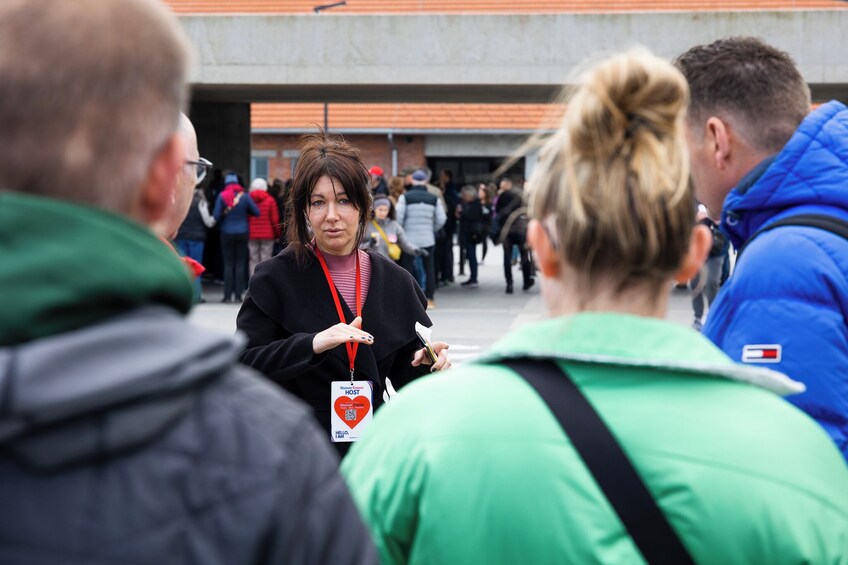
(351, 347)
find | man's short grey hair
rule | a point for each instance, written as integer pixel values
(91, 90)
(428, 172)
(469, 190)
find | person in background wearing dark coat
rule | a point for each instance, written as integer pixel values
(471, 230)
(513, 232)
(128, 434)
(378, 182)
(232, 209)
(323, 312)
(278, 191)
(444, 239)
(487, 197)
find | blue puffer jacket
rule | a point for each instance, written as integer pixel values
(790, 288)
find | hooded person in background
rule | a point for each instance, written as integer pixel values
(264, 228)
(232, 210)
(127, 434)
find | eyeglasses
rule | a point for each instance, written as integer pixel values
(202, 166)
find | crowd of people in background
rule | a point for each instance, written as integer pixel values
(475, 216)
(414, 222)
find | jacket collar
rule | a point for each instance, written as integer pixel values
(808, 175)
(376, 319)
(632, 341)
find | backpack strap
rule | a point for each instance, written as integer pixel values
(606, 461)
(382, 233)
(827, 223)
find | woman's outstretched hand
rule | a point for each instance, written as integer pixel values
(339, 334)
(440, 348)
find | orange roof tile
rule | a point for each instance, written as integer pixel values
(419, 117)
(488, 6)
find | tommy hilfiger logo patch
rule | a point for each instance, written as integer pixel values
(762, 353)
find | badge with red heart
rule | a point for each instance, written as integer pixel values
(351, 409)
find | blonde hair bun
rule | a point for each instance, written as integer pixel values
(623, 101)
(615, 175)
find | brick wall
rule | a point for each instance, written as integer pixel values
(375, 150)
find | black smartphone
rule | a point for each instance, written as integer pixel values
(430, 353)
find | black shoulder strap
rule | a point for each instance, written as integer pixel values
(604, 458)
(827, 223)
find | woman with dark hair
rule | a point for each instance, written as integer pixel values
(330, 323)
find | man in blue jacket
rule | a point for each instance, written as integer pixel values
(758, 157)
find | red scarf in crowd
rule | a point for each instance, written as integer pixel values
(229, 193)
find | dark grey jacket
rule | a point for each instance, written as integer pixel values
(139, 440)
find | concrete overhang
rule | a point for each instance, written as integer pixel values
(474, 58)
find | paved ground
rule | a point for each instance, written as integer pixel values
(469, 319)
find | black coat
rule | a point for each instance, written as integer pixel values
(288, 304)
(471, 220)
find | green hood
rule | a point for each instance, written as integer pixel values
(65, 266)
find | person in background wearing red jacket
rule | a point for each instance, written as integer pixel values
(264, 228)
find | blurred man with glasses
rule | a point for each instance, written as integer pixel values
(189, 217)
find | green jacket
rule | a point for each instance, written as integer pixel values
(471, 467)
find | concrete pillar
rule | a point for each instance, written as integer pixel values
(223, 134)
(223, 137)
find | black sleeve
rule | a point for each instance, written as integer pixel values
(272, 350)
(316, 520)
(472, 213)
(402, 371)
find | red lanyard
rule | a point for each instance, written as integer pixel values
(351, 347)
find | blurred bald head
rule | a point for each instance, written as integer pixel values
(90, 97)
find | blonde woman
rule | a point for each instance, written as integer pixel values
(722, 470)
